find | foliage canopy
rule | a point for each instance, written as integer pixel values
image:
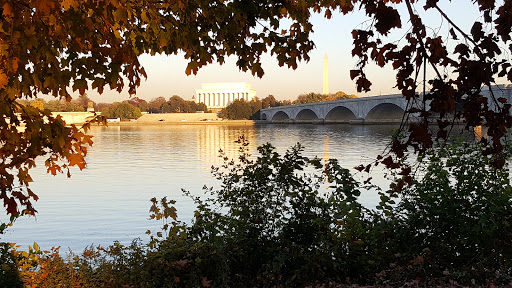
(54, 46)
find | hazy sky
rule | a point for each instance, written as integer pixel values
(166, 74)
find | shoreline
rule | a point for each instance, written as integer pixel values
(214, 122)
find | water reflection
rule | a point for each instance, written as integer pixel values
(213, 138)
(130, 164)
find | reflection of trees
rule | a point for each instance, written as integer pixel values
(213, 138)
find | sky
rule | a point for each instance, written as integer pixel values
(166, 74)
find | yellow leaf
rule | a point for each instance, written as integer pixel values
(67, 4)
(144, 16)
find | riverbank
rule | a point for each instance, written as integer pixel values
(182, 119)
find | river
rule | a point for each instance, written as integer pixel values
(128, 165)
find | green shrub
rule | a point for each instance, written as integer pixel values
(121, 110)
(289, 221)
(457, 217)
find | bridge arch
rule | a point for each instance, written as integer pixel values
(281, 117)
(385, 113)
(306, 115)
(263, 116)
(340, 114)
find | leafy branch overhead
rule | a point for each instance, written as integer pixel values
(459, 74)
(57, 47)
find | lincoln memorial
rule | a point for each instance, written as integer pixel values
(220, 95)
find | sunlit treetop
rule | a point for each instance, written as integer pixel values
(56, 47)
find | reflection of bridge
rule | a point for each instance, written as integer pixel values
(366, 110)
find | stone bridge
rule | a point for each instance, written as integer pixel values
(365, 110)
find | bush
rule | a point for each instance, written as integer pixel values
(121, 110)
(457, 217)
(289, 221)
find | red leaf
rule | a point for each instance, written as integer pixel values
(354, 73)
(12, 206)
(477, 32)
(405, 171)
(205, 282)
(363, 84)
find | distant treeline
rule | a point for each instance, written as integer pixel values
(241, 109)
(128, 109)
(133, 108)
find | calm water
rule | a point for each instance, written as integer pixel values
(128, 165)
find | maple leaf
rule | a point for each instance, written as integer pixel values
(80, 85)
(3, 80)
(77, 160)
(67, 4)
(7, 11)
(354, 73)
(12, 206)
(205, 282)
(477, 32)
(44, 6)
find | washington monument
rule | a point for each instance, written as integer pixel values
(326, 76)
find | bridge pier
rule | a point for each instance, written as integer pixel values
(357, 121)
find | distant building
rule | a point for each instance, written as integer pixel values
(220, 95)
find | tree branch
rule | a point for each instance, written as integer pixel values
(456, 27)
(420, 40)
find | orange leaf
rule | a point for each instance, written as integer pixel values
(53, 169)
(44, 6)
(7, 11)
(14, 63)
(78, 160)
(3, 80)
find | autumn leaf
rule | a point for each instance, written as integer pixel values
(7, 11)
(354, 74)
(80, 85)
(12, 206)
(44, 6)
(205, 282)
(76, 160)
(3, 80)
(67, 4)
